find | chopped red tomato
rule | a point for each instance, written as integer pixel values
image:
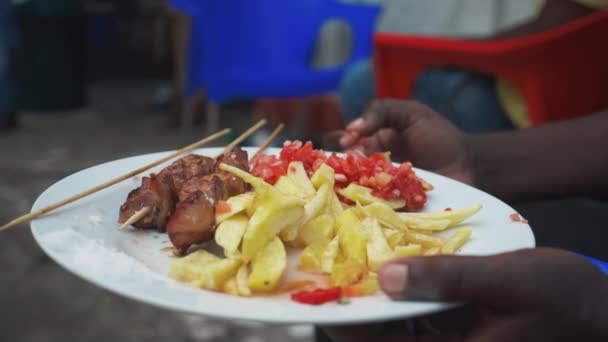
(375, 171)
(515, 217)
(222, 207)
(447, 209)
(318, 296)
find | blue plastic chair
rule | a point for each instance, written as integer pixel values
(263, 48)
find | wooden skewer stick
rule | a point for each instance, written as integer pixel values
(242, 137)
(269, 140)
(145, 210)
(51, 207)
(141, 213)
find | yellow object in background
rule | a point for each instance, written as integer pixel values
(511, 98)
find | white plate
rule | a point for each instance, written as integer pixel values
(83, 238)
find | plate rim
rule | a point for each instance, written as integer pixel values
(157, 301)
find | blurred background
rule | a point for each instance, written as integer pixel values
(84, 82)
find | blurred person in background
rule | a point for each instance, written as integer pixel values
(8, 41)
(474, 102)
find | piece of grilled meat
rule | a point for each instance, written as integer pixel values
(181, 170)
(237, 158)
(183, 197)
(159, 192)
(155, 194)
(193, 221)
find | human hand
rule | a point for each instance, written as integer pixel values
(412, 132)
(528, 295)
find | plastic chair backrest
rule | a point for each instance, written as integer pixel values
(264, 47)
(251, 34)
(561, 73)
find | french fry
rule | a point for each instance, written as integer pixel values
(230, 287)
(258, 183)
(297, 173)
(311, 210)
(229, 233)
(457, 240)
(319, 228)
(426, 224)
(385, 214)
(347, 273)
(432, 251)
(310, 258)
(288, 186)
(242, 285)
(319, 257)
(363, 195)
(236, 205)
(329, 255)
(204, 270)
(393, 236)
(272, 216)
(367, 286)
(454, 216)
(186, 269)
(408, 251)
(316, 204)
(378, 249)
(268, 266)
(335, 206)
(323, 175)
(424, 240)
(290, 233)
(351, 233)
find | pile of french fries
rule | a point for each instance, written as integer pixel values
(349, 244)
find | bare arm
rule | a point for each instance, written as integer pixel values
(563, 158)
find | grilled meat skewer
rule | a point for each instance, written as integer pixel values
(155, 194)
(193, 221)
(159, 192)
(183, 196)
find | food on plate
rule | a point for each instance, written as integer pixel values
(183, 197)
(342, 233)
(267, 266)
(155, 194)
(375, 172)
(339, 219)
(318, 296)
(363, 195)
(202, 269)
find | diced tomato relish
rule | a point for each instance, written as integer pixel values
(222, 207)
(375, 171)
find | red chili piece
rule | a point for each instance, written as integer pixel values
(317, 296)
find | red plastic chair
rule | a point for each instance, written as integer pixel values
(561, 73)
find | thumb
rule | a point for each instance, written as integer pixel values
(506, 280)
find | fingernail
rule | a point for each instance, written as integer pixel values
(345, 139)
(393, 278)
(357, 124)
